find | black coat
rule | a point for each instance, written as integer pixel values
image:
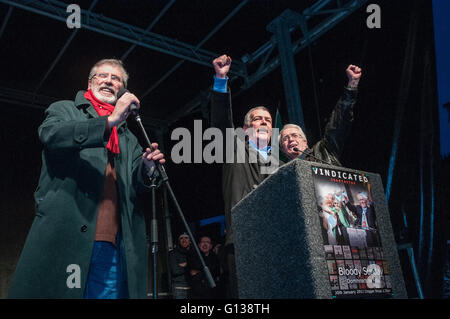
(370, 214)
(329, 148)
(180, 275)
(199, 284)
(238, 179)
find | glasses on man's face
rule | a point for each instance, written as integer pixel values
(104, 76)
(293, 136)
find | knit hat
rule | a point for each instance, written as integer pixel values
(183, 235)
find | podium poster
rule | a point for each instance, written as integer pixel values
(353, 251)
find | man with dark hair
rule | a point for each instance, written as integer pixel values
(199, 283)
(88, 239)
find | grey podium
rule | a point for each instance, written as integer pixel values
(290, 244)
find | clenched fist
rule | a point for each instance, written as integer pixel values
(354, 75)
(222, 65)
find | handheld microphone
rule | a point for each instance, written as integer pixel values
(133, 106)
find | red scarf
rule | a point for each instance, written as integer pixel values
(103, 109)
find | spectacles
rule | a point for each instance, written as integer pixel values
(104, 76)
(293, 136)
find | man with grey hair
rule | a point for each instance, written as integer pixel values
(240, 177)
(364, 210)
(88, 238)
(294, 143)
(113, 62)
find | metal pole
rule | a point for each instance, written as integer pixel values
(281, 28)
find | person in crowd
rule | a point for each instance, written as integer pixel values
(200, 285)
(179, 268)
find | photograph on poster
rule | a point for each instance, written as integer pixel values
(347, 214)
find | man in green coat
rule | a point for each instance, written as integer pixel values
(88, 238)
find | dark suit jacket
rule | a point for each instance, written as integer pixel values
(370, 214)
(238, 179)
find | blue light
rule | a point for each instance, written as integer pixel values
(391, 169)
(216, 219)
(441, 10)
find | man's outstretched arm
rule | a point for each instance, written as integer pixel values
(339, 125)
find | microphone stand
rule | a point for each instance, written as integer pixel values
(154, 241)
(165, 180)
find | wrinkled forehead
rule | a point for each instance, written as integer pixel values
(261, 113)
(289, 131)
(110, 68)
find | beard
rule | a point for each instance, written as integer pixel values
(110, 99)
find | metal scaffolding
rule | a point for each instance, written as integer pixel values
(313, 22)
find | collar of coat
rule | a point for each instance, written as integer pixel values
(82, 103)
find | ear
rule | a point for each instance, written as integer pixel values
(89, 85)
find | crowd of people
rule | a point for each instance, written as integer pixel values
(187, 274)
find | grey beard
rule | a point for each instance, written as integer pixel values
(112, 100)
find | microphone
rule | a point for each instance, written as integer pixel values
(133, 106)
(308, 152)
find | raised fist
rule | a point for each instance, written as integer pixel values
(354, 75)
(222, 65)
